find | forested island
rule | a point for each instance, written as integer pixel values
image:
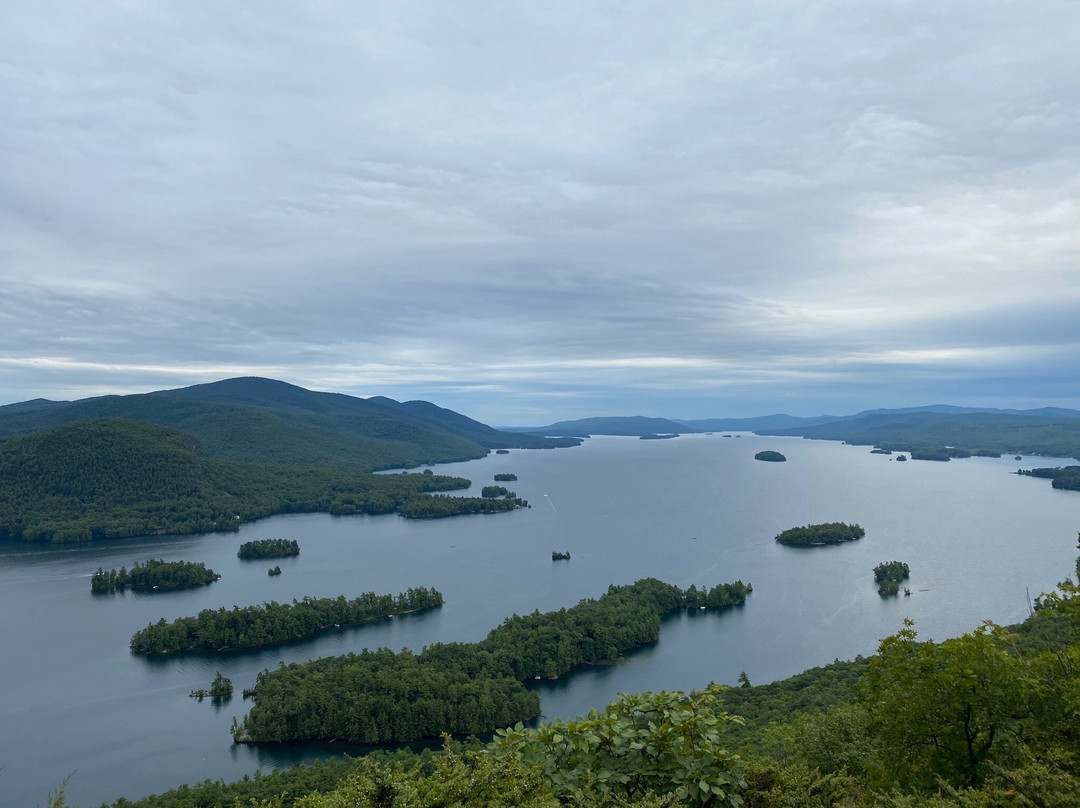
(462, 688)
(889, 575)
(275, 570)
(505, 477)
(557, 556)
(439, 506)
(492, 491)
(273, 623)
(268, 548)
(769, 456)
(220, 688)
(1067, 477)
(153, 575)
(820, 534)
(657, 437)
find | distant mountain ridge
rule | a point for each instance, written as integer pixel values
(628, 425)
(268, 421)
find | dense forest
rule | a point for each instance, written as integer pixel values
(505, 477)
(154, 574)
(115, 478)
(816, 535)
(268, 548)
(985, 720)
(437, 506)
(272, 623)
(1065, 478)
(492, 491)
(382, 696)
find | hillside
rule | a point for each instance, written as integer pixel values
(636, 425)
(109, 478)
(266, 421)
(974, 432)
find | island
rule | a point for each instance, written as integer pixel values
(273, 623)
(888, 575)
(881, 451)
(268, 548)
(505, 478)
(153, 576)
(657, 437)
(820, 534)
(437, 506)
(901, 458)
(502, 451)
(493, 491)
(275, 570)
(770, 456)
(221, 688)
(463, 688)
(557, 556)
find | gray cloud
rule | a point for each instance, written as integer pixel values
(529, 212)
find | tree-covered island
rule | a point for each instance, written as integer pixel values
(505, 477)
(820, 534)
(462, 688)
(493, 491)
(437, 506)
(220, 688)
(153, 575)
(889, 575)
(268, 548)
(273, 623)
(557, 556)
(769, 456)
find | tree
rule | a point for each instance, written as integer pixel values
(942, 710)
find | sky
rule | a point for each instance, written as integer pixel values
(535, 211)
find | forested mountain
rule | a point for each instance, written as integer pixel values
(266, 421)
(636, 425)
(106, 478)
(974, 432)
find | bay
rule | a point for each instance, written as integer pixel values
(698, 509)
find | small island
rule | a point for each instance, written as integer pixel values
(493, 491)
(770, 456)
(901, 458)
(656, 437)
(821, 534)
(502, 451)
(888, 575)
(557, 556)
(273, 623)
(505, 478)
(276, 570)
(881, 451)
(268, 548)
(153, 576)
(221, 688)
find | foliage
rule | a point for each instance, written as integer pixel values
(268, 548)
(888, 589)
(825, 533)
(1067, 477)
(275, 570)
(506, 478)
(649, 743)
(891, 571)
(492, 491)
(115, 478)
(380, 696)
(557, 556)
(220, 688)
(770, 456)
(439, 506)
(155, 574)
(272, 623)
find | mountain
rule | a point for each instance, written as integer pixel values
(778, 421)
(263, 420)
(981, 431)
(632, 425)
(113, 477)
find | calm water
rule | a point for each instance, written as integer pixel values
(697, 509)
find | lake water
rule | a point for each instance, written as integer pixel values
(697, 509)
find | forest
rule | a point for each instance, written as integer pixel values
(984, 720)
(272, 623)
(439, 506)
(461, 688)
(114, 478)
(1067, 478)
(268, 548)
(155, 574)
(817, 535)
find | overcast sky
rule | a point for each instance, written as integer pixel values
(531, 211)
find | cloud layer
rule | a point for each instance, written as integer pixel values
(533, 211)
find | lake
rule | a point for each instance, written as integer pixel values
(698, 509)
